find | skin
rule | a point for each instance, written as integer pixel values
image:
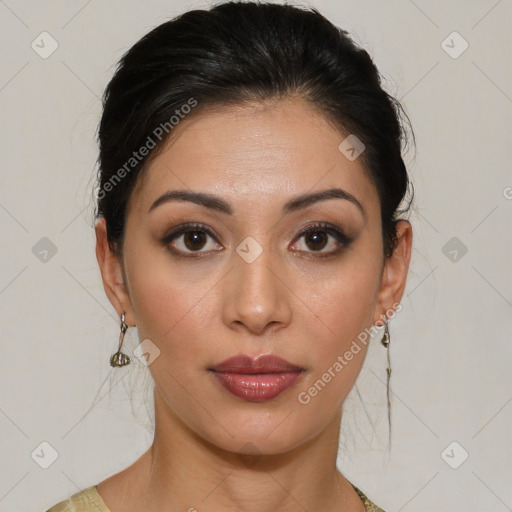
(289, 301)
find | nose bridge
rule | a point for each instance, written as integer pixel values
(256, 296)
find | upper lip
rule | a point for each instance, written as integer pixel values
(263, 364)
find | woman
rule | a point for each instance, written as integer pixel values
(249, 225)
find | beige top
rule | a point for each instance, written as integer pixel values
(89, 500)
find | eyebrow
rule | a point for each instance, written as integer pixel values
(218, 204)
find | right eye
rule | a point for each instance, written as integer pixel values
(189, 239)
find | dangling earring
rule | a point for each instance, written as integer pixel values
(386, 340)
(119, 359)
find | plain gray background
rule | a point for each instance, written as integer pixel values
(451, 343)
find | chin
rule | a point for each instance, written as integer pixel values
(259, 434)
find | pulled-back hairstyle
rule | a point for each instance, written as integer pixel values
(236, 53)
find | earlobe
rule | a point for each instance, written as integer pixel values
(112, 274)
(394, 275)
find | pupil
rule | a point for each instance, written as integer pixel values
(194, 239)
(318, 237)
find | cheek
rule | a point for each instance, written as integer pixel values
(351, 299)
(343, 297)
(170, 301)
(341, 309)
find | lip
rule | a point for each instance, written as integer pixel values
(265, 363)
(256, 379)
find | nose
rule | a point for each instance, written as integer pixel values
(256, 295)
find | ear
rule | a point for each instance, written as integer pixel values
(394, 274)
(112, 274)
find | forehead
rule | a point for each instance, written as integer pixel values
(255, 154)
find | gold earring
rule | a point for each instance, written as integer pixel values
(119, 359)
(386, 340)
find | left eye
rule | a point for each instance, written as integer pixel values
(319, 237)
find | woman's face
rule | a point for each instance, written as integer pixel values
(245, 279)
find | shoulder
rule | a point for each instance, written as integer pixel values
(87, 500)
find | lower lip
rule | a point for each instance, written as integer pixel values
(256, 387)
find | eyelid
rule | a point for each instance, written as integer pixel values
(189, 226)
(328, 227)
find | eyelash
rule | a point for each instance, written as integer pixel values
(332, 230)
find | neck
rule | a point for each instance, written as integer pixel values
(183, 471)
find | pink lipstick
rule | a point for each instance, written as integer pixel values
(256, 380)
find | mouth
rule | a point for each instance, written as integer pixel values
(256, 380)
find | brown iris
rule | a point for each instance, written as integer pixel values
(194, 240)
(318, 238)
